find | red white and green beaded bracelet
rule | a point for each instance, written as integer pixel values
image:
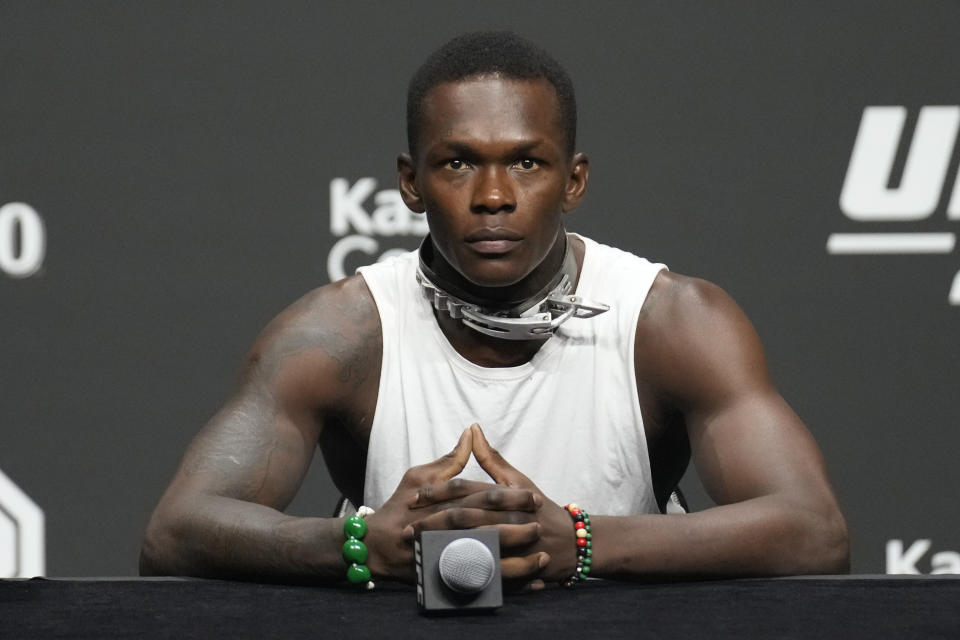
(581, 526)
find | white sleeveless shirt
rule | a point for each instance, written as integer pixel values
(569, 419)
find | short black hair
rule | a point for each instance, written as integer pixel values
(480, 53)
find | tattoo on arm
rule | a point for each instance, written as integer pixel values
(353, 341)
(255, 438)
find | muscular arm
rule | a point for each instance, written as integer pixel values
(776, 512)
(222, 514)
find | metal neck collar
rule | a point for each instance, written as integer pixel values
(535, 318)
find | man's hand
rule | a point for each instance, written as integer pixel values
(541, 548)
(471, 504)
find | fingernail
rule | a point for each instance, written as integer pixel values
(537, 500)
(407, 532)
(544, 559)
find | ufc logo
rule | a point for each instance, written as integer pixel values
(866, 196)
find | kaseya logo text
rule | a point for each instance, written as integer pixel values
(360, 216)
(869, 197)
(913, 559)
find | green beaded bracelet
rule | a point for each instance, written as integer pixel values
(581, 527)
(354, 551)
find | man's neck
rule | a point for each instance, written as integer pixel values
(487, 351)
(449, 279)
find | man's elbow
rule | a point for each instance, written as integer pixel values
(837, 545)
(149, 564)
(826, 549)
(158, 548)
(151, 557)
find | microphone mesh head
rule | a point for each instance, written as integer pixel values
(466, 565)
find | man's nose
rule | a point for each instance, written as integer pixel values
(493, 191)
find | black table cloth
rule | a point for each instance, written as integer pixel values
(809, 607)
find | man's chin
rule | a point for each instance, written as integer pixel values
(493, 270)
(493, 280)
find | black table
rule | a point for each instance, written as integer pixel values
(808, 607)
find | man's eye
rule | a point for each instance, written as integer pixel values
(456, 163)
(527, 163)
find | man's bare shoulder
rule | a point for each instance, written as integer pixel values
(328, 342)
(692, 336)
(674, 297)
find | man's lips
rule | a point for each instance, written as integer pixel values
(481, 235)
(493, 240)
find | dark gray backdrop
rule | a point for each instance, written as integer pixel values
(181, 156)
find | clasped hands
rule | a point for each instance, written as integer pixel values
(537, 542)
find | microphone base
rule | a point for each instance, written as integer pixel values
(433, 595)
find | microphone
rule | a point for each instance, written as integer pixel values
(458, 570)
(466, 565)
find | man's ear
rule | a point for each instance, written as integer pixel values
(576, 182)
(406, 179)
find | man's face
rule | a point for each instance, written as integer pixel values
(493, 175)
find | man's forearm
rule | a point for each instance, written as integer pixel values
(216, 537)
(763, 536)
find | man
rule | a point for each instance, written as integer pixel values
(600, 397)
